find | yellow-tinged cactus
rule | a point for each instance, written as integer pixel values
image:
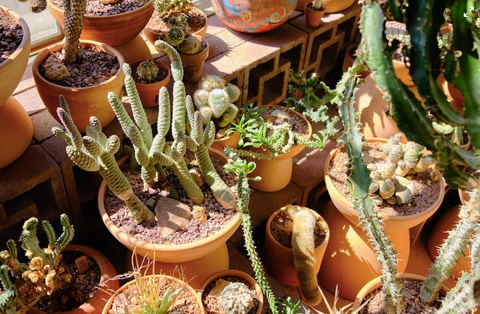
(147, 70)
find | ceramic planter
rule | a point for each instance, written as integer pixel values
(230, 141)
(83, 102)
(12, 69)
(235, 273)
(276, 173)
(193, 64)
(109, 303)
(170, 253)
(331, 6)
(153, 36)
(313, 17)
(349, 261)
(113, 30)
(149, 92)
(377, 283)
(253, 16)
(278, 258)
(349, 58)
(97, 302)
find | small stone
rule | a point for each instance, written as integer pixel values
(171, 215)
(197, 176)
(55, 70)
(199, 214)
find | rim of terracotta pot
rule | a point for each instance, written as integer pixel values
(235, 273)
(377, 283)
(296, 149)
(390, 222)
(108, 17)
(83, 42)
(130, 242)
(22, 49)
(134, 65)
(108, 304)
(107, 272)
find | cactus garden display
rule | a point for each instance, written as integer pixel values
(42, 275)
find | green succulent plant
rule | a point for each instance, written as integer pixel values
(172, 8)
(147, 70)
(42, 275)
(237, 298)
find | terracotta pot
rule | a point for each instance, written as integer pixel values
(331, 6)
(349, 261)
(253, 16)
(372, 108)
(464, 196)
(170, 253)
(83, 102)
(149, 92)
(135, 50)
(109, 303)
(402, 73)
(12, 69)
(153, 36)
(348, 60)
(276, 173)
(313, 17)
(235, 273)
(193, 64)
(97, 302)
(112, 30)
(278, 258)
(438, 236)
(377, 283)
(230, 141)
(16, 131)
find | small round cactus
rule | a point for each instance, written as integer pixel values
(237, 298)
(190, 46)
(147, 70)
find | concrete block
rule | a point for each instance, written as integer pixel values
(43, 122)
(27, 81)
(30, 100)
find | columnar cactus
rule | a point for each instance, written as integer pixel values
(95, 152)
(147, 70)
(42, 275)
(388, 179)
(216, 99)
(237, 298)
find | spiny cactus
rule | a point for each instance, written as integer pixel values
(42, 275)
(179, 35)
(237, 298)
(303, 247)
(190, 46)
(388, 179)
(215, 98)
(95, 152)
(172, 8)
(151, 153)
(147, 70)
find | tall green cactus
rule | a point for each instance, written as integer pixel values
(42, 275)
(94, 152)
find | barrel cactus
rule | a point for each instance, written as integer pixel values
(147, 70)
(172, 8)
(237, 298)
(215, 99)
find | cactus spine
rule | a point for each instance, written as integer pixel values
(42, 275)
(94, 152)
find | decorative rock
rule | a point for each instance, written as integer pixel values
(171, 215)
(197, 176)
(55, 70)
(199, 214)
(219, 286)
(150, 203)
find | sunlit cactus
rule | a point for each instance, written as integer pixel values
(147, 70)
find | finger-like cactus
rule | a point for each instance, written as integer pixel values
(42, 275)
(215, 98)
(237, 298)
(94, 152)
(147, 70)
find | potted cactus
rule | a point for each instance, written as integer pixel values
(215, 100)
(149, 77)
(42, 275)
(231, 291)
(294, 255)
(314, 12)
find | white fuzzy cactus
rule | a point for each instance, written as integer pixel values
(237, 298)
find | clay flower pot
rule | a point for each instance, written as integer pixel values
(83, 102)
(170, 253)
(278, 258)
(313, 17)
(186, 286)
(349, 261)
(249, 16)
(12, 69)
(377, 283)
(149, 92)
(234, 273)
(331, 6)
(153, 36)
(113, 30)
(107, 271)
(276, 173)
(193, 64)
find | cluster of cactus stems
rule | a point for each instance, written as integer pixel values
(42, 275)
(237, 298)
(215, 99)
(172, 8)
(179, 35)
